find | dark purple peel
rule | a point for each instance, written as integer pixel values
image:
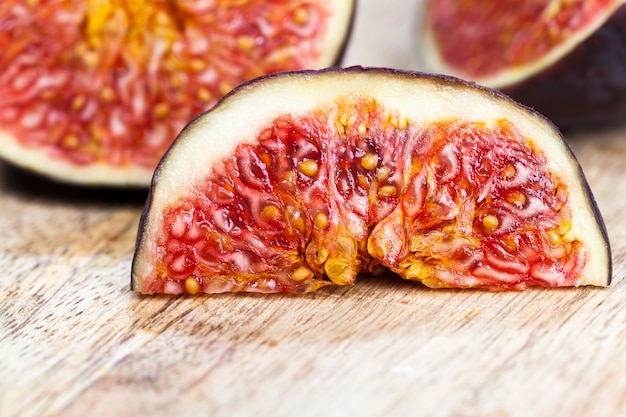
(588, 86)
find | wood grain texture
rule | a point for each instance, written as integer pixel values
(75, 341)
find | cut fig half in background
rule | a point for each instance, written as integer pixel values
(94, 92)
(566, 59)
(306, 179)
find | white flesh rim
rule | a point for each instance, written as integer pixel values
(40, 161)
(431, 60)
(422, 98)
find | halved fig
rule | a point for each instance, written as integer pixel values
(94, 92)
(307, 179)
(567, 59)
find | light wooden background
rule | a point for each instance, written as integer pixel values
(75, 341)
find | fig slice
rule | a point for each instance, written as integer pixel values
(566, 59)
(95, 91)
(305, 179)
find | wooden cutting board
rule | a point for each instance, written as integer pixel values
(75, 341)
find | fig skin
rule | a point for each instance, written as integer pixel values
(165, 189)
(587, 87)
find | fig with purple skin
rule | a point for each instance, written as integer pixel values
(94, 91)
(306, 179)
(565, 59)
